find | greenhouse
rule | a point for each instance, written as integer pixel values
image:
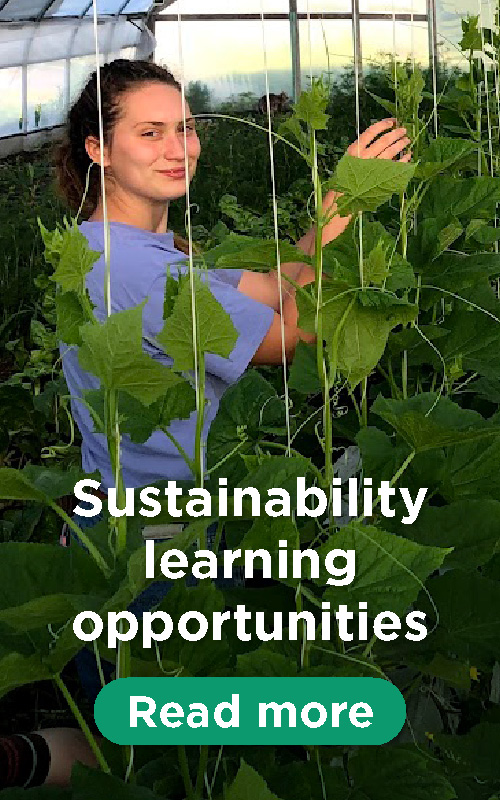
(249, 399)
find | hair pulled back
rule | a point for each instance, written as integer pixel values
(71, 159)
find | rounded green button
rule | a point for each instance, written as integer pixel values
(250, 711)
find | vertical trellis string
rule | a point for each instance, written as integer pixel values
(276, 234)
(107, 283)
(199, 399)
(486, 86)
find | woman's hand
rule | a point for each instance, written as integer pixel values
(387, 145)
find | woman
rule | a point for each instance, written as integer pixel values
(144, 164)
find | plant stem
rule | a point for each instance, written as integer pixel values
(184, 765)
(83, 725)
(94, 552)
(202, 768)
(111, 422)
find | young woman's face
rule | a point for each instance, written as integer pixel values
(146, 151)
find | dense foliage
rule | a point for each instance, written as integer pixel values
(402, 385)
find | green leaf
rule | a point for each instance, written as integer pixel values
(70, 317)
(215, 330)
(245, 408)
(265, 663)
(388, 773)
(441, 154)
(471, 527)
(472, 469)
(423, 429)
(249, 785)
(140, 421)
(470, 198)
(390, 569)
(311, 105)
(341, 258)
(366, 183)
(257, 254)
(91, 783)
(304, 370)
(19, 670)
(76, 259)
(38, 483)
(112, 351)
(357, 335)
(474, 754)
(469, 625)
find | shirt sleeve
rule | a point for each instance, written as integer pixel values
(251, 319)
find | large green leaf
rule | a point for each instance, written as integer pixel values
(215, 330)
(357, 334)
(39, 483)
(70, 317)
(139, 421)
(89, 783)
(471, 527)
(243, 251)
(18, 670)
(113, 352)
(249, 785)
(472, 469)
(470, 198)
(366, 183)
(390, 570)
(246, 409)
(74, 258)
(441, 154)
(341, 258)
(469, 624)
(475, 753)
(423, 429)
(386, 773)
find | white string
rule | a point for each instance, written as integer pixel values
(309, 41)
(107, 280)
(190, 240)
(276, 234)
(486, 88)
(434, 66)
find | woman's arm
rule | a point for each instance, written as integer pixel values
(270, 350)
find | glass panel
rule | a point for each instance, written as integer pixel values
(136, 6)
(80, 71)
(69, 8)
(106, 7)
(22, 9)
(380, 39)
(45, 94)
(10, 100)
(225, 59)
(393, 6)
(321, 42)
(449, 29)
(322, 6)
(223, 7)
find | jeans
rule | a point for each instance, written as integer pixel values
(149, 598)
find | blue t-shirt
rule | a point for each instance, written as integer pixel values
(139, 259)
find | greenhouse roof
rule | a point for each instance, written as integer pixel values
(38, 10)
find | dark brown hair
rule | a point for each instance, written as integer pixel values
(71, 159)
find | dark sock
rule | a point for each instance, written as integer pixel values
(24, 760)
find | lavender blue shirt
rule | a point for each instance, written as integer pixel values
(138, 270)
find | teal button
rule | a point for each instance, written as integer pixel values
(250, 711)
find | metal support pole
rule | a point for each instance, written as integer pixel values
(433, 54)
(356, 38)
(151, 26)
(295, 49)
